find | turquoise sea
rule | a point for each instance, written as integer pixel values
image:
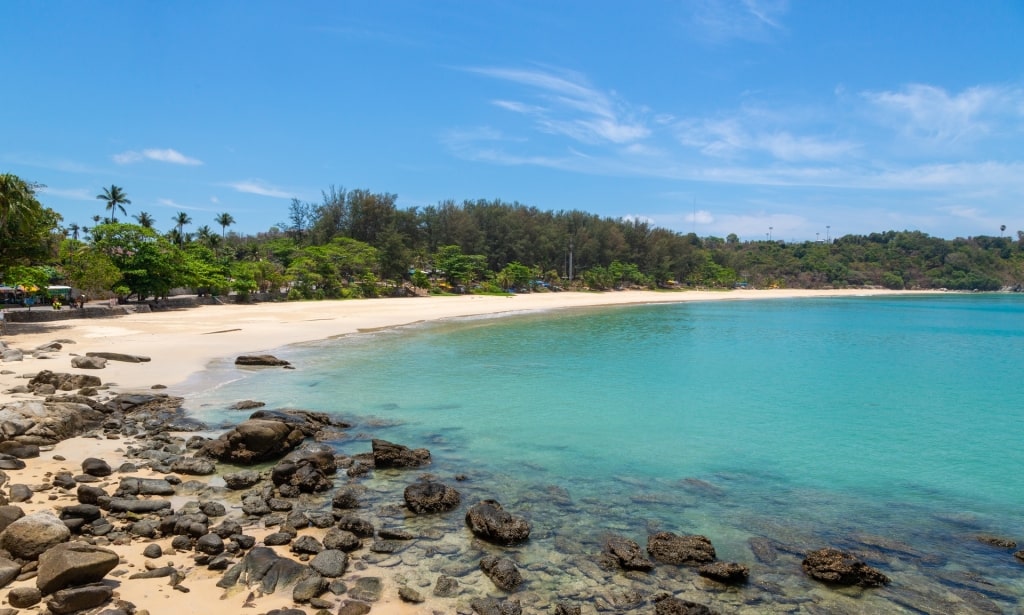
(890, 427)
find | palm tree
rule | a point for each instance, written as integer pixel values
(181, 219)
(73, 228)
(144, 219)
(116, 199)
(224, 220)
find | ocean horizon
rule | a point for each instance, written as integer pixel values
(882, 425)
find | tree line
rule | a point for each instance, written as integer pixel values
(358, 243)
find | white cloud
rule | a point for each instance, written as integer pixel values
(932, 114)
(255, 186)
(159, 155)
(731, 138)
(720, 21)
(570, 106)
(77, 194)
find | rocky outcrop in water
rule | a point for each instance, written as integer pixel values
(426, 497)
(834, 566)
(625, 553)
(669, 548)
(390, 455)
(489, 521)
(268, 434)
(260, 360)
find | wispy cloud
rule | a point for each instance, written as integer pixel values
(178, 206)
(720, 21)
(160, 155)
(731, 138)
(566, 104)
(256, 186)
(76, 194)
(932, 114)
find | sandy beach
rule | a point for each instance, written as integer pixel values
(182, 342)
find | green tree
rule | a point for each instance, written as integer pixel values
(180, 220)
(144, 219)
(28, 230)
(149, 264)
(224, 220)
(116, 200)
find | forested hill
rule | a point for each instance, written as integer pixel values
(359, 243)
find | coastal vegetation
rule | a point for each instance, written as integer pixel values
(357, 243)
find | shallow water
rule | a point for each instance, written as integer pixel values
(888, 426)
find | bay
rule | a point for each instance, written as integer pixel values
(889, 426)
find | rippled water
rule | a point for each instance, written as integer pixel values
(887, 426)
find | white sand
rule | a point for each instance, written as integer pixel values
(183, 342)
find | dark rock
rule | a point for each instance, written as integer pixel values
(502, 571)
(307, 469)
(367, 589)
(627, 553)
(446, 587)
(24, 597)
(9, 514)
(153, 551)
(667, 605)
(64, 480)
(86, 512)
(19, 450)
(564, 608)
(261, 565)
(390, 455)
(996, 541)
(156, 573)
(346, 498)
(408, 594)
(253, 441)
(493, 606)
(330, 563)
(835, 566)
(79, 599)
(88, 362)
(213, 509)
(138, 506)
(193, 466)
(117, 356)
(308, 587)
(277, 539)
(725, 572)
(241, 480)
(359, 527)
(72, 564)
(246, 404)
(30, 536)
(266, 360)
(96, 467)
(307, 544)
(181, 543)
(87, 494)
(210, 544)
(10, 462)
(354, 607)
(489, 521)
(342, 540)
(1019, 555)
(431, 497)
(8, 571)
(20, 493)
(669, 548)
(395, 534)
(244, 541)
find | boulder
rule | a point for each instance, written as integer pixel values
(431, 497)
(88, 362)
(241, 480)
(489, 521)
(78, 599)
(253, 441)
(307, 469)
(9, 514)
(667, 605)
(72, 564)
(138, 506)
(493, 606)
(246, 404)
(118, 356)
(24, 597)
(446, 587)
(8, 571)
(19, 449)
(193, 466)
(834, 566)
(32, 535)
(626, 553)
(96, 467)
(144, 486)
(260, 360)
(725, 572)
(261, 565)
(502, 571)
(330, 563)
(64, 382)
(669, 548)
(390, 455)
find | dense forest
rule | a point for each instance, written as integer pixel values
(356, 243)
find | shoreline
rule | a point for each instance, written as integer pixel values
(183, 343)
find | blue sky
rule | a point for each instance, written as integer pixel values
(718, 117)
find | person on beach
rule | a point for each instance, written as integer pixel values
(3, 322)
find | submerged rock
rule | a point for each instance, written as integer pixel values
(835, 566)
(489, 521)
(626, 553)
(670, 548)
(390, 455)
(431, 497)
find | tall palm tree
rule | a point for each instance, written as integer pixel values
(181, 219)
(73, 228)
(116, 199)
(144, 219)
(224, 220)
